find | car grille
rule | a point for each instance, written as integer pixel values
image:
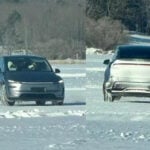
(38, 89)
(37, 96)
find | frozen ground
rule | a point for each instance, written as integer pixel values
(26, 126)
(120, 125)
(111, 135)
(74, 76)
(43, 133)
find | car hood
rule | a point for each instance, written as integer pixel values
(32, 76)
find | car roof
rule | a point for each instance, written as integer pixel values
(22, 56)
(133, 51)
(135, 48)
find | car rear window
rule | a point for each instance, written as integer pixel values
(134, 53)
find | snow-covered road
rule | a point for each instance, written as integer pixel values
(27, 127)
(120, 125)
(74, 76)
(44, 133)
(112, 135)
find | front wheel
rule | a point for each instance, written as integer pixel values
(60, 103)
(40, 102)
(56, 102)
(4, 99)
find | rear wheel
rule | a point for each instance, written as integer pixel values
(40, 102)
(55, 102)
(4, 99)
(117, 97)
(108, 96)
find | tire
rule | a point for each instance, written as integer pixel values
(117, 98)
(108, 96)
(40, 102)
(55, 102)
(4, 99)
(60, 103)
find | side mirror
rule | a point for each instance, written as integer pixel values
(106, 62)
(57, 70)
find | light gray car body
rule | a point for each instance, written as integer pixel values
(29, 78)
(128, 73)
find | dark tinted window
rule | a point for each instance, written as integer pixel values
(134, 52)
(27, 64)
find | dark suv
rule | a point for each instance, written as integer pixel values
(128, 73)
(29, 78)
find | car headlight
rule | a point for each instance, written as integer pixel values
(60, 81)
(12, 81)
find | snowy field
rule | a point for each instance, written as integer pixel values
(120, 125)
(74, 76)
(42, 128)
(26, 126)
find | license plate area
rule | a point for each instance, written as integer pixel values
(38, 89)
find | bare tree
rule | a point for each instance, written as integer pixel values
(104, 33)
(43, 22)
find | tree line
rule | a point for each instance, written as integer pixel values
(133, 15)
(51, 28)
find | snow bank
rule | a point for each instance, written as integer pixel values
(97, 51)
(37, 113)
(91, 50)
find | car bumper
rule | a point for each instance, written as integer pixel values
(138, 89)
(30, 91)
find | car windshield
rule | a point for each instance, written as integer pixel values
(27, 64)
(134, 53)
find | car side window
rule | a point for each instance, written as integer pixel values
(11, 66)
(115, 56)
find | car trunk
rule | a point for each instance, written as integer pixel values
(131, 70)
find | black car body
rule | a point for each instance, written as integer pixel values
(128, 73)
(29, 78)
